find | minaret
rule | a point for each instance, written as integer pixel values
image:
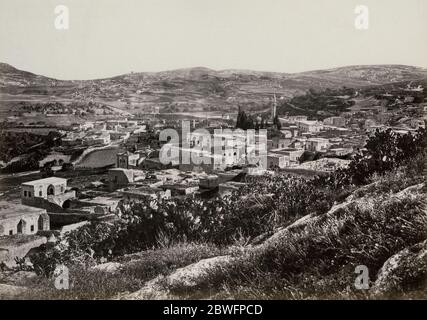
(274, 108)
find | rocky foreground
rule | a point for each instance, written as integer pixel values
(381, 225)
(402, 268)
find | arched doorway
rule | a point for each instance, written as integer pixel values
(21, 227)
(40, 223)
(66, 204)
(51, 190)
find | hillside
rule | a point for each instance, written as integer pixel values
(325, 249)
(12, 77)
(198, 89)
(381, 225)
(280, 236)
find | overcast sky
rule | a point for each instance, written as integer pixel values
(111, 37)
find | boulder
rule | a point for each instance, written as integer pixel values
(108, 267)
(184, 278)
(404, 271)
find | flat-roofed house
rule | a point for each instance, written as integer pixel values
(22, 219)
(317, 144)
(128, 160)
(334, 121)
(280, 143)
(38, 192)
(340, 151)
(310, 126)
(276, 160)
(293, 154)
(144, 193)
(42, 189)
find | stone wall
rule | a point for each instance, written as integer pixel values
(18, 247)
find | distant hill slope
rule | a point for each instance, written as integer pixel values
(369, 75)
(10, 76)
(202, 87)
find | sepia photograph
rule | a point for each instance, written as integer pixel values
(213, 151)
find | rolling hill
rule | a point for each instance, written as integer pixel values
(199, 88)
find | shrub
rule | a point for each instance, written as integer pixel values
(319, 259)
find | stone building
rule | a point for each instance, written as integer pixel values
(21, 219)
(317, 144)
(309, 126)
(292, 153)
(144, 193)
(334, 121)
(45, 193)
(128, 160)
(275, 160)
(120, 178)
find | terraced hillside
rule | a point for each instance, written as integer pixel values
(196, 89)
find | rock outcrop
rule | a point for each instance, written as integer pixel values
(188, 277)
(406, 269)
(391, 276)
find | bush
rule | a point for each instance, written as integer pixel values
(319, 259)
(324, 251)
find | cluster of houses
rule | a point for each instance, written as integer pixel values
(48, 206)
(93, 133)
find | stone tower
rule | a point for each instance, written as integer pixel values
(274, 107)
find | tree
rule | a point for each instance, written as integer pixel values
(243, 121)
(47, 171)
(257, 127)
(277, 123)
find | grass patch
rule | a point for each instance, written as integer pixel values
(318, 260)
(88, 283)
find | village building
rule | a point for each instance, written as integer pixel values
(124, 123)
(340, 151)
(180, 189)
(252, 170)
(129, 160)
(121, 177)
(47, 193)
(287, 134)
(144, 193)
(293, 154)
(72, 139)
(209, 164)
(119, 135)
(97, 138)
(99, 126)
(293, 119)
(22, 219)
(154, 163)
(334, 121)
(276, 160)
(309, 126)
(317, 144)
(85, 126)
(280, 143)
(100, 205)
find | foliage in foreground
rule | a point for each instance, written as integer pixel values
(323, 256)
(319, 260)
(89, 283)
